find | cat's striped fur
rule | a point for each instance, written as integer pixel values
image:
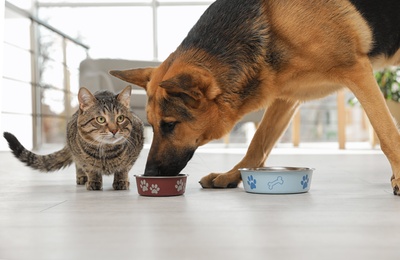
(103, 137)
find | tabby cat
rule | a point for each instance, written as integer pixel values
(103, 137)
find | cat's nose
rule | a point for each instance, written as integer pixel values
(113, 131)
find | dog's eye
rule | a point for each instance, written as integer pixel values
(168, 127)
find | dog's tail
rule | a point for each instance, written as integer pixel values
(45, 163)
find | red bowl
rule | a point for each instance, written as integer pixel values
(160, 186)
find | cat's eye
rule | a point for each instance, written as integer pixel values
(120, 119)
(101, 119)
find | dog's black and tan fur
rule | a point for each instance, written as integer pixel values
(244, 55)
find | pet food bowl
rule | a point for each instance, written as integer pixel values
(160, 186)
(276, 180)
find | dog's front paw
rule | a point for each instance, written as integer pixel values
(396, 186)
(216, 180)
(207, 181)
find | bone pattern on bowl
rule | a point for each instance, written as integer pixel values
(277, 180)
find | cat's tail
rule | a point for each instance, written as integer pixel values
(46, 163)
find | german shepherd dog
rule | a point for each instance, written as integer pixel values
(243, 55)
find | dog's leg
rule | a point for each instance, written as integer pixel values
(274, 122)
(362, 83)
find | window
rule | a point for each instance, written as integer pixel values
(16, 87)
(133, 30)
(40, 78)
(173, 24)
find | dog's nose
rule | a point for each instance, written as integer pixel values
(169, 164)
(158, 170)
(151, 172)
(151, 169)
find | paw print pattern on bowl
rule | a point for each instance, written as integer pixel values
(304, 182)
(154, 188)
(161, 186)
(179, 185)
(252, 182)
(144, 185)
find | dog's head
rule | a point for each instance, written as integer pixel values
(182, 108)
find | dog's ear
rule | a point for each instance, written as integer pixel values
(195, 85)
(139, 77)
(190, 98)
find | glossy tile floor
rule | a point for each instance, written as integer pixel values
(349, 213)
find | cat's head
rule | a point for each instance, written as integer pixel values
(104, 118)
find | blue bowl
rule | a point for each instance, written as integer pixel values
(276, 180)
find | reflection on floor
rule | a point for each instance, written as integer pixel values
(349, 213)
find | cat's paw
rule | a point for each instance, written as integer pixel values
(81, 180)
(94, 185)
(121, 185)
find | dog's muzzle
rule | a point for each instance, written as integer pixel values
(170, 164)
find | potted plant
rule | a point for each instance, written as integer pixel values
(389, 82)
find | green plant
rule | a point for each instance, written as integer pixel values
(389, 82)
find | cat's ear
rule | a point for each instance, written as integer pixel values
(86, 99)
(125, 96)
